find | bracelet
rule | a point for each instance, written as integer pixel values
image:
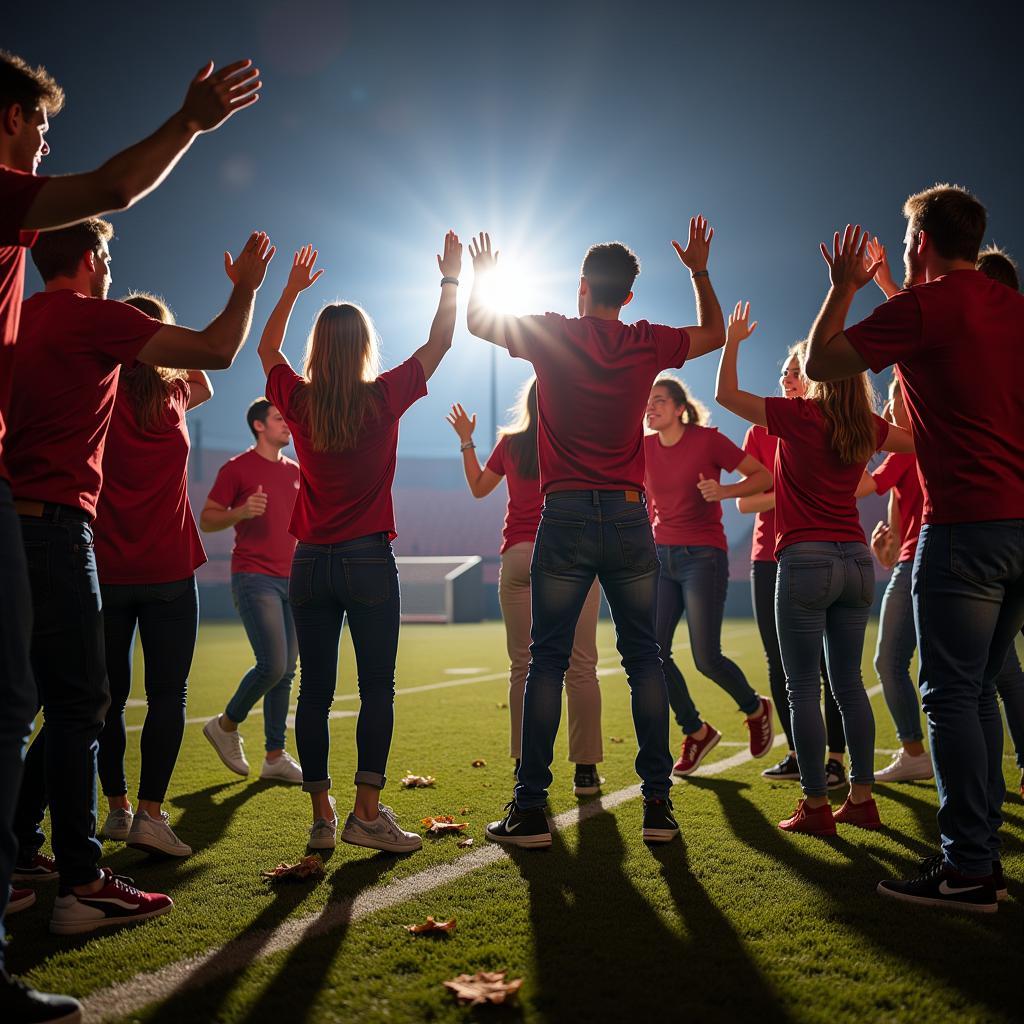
(449, 280)
(467, 446)
(699, 273)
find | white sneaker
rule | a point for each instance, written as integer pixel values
(323, 834)
(284, 769)
(906, 767)
(382, 834)
(155, 835)
(228, 746)
(118, 824)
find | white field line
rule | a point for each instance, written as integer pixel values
(128, 997)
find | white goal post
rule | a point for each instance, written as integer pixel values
(447, 588)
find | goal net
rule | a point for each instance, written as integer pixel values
(442, 588)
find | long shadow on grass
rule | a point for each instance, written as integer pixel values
(970, 953)
(600, 945)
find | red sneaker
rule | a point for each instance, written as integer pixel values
(21, 899)
(762, 730)
(38, 868)
(117, 902)
(694, 751)
(863, 815)
(814, 821)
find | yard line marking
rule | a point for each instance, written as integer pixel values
(235, 956)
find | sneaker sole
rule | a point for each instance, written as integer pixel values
(25, 876)
(534, 842)
(659, 835)
(369, 844)
(696, 764)
(586, 790)
(322, 844)
(278, 778)
(817, 833)
(780, 778)
(148, 847)
(971, 908)
(227, 764)
(79, 927)
(17, 906)
(879, 777)
(116, 837)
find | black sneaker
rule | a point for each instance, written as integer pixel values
(521, 828)
(940, 886)
(20, 1003)
(998, 878)
(659, 825)
(787, 770)
(586, 781)
(835, 774)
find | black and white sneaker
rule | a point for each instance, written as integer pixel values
(586, 781)
(659, 825)
(835, 774)
(998, 878)
(787, 770)
(940, 886)
(19, 1002)
(528, 828)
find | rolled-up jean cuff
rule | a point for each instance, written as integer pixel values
(374, 779)
(316, 787)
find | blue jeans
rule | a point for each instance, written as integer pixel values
(17, 687)
(825, 589)
(358, 581)
(969, 606)
(694, 581)
(1010, 687)
(897, 641)
(263, 605)
(584, 534)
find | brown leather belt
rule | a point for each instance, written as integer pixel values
(49, 510)
(26, 507)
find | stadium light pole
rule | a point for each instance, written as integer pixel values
(494, 394)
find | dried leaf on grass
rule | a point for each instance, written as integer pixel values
(483, 987)
(432, 927)
(411, 781)
(463, 810)
(617, 739)
(444, 823)
(468, 841)
(311, 866)
(501, 707)
(479, 763)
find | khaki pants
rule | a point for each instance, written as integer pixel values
(583, 694)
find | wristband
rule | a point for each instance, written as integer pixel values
(449, 280)
(467, 446)
(699, 273)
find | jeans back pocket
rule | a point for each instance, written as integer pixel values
(300, 582)
(809, 583)
(558, 543)
(636, 539)
(369, 580)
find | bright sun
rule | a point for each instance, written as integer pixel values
(511, 288)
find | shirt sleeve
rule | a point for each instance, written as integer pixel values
(18, 191)
(225, 488)
(891, 334)
(882, 427)
(726, 454)
(778, 415)
(281, 384)
(526, 337)
(889, 473)
(122, 330)
(402, 386)
(496, 462)
(671, 346)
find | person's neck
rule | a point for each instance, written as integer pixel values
(74, 284)
(9, 158)
(939, 268)
(602, 312)
(671, 435)
(269, 451)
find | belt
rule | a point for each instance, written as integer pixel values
(632, 497)
(49, 511)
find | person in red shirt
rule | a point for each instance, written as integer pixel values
(594, 376)
(514, 459)
(826, 578)
(147, 552)
(684, 461)
(71, 346)
(344, 419)
(968, 583)
(255, 493)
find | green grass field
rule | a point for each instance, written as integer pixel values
(736, 921)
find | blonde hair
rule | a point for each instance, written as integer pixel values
(522, 431)
(341, 364)
(849, 410)
(694, 411)
(149, 387)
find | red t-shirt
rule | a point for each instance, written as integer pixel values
(815, 493)
(763, 447)
(145, 530)
(344, 495)
(525, 499)
(679, 513)
(898, 472)
(263, 544)
(958, 344)
(18, 191)
(68, 359)
(594, 377)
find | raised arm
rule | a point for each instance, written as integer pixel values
(727, 388)
(200, 388)
(300, 277)
(481, 480)
(755, 479)
(215, 347)
(213, 96)
(443, 328)
(482, 319)
(709, 334)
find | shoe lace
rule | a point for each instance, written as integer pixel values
(119, 882)
(929, 865)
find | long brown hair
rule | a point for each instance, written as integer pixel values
(149, 387)
(522, 432)
(849, 410)
(694, 412)
(342, 362)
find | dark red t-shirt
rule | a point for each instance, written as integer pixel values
(958, 344)
(145, 531)
(763, 447)
(18, 191)
(263, 544)
(344, 495)
(67, 361)
(594, 377)
(898, 472)
(815, 493)
(679, 513)
(525, 500)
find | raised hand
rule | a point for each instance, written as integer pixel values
(250, 268)
(698, 246)
(213, 96)
(847, 266)
(255, 505)
(450, 262)
(480, 253)
(874, 253)
(710, 490)
(740, 327)
(301, 276)
(462, 424)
